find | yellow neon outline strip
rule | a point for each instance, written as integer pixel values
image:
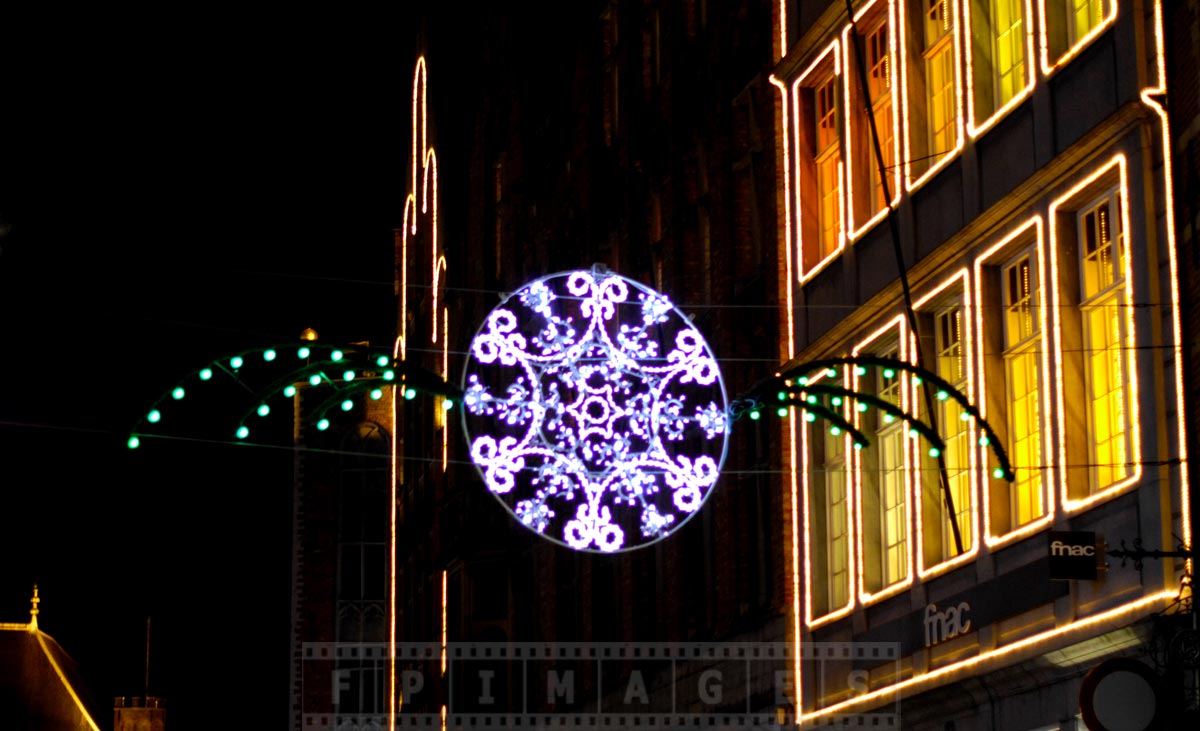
(1049, 68)
(993, 658)
(1073, 506)
(948, 155)
(445, 377)
(63, 679)
(787, 216)
(975, 130)
(839, 612)
(900, 323)
(1049, 504)
(806, 275)
(445, 599)
(1148, 95)
(942, 567)
(783, 44)
(854, 231)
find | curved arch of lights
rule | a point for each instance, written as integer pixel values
(595, 411)
(341, 377)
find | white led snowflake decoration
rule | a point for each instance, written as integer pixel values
(595, 411)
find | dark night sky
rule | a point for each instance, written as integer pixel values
(172, 189)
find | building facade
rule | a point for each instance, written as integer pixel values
(1022, 183)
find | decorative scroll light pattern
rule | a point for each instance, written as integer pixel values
(595, 411)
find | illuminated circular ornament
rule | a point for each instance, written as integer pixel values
(595, 411)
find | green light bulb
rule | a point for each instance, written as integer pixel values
(965, 416)
(998, 473)
(782, 396)
(782, 411)
(858, 446)
(984, 441)
(754, 416)
(243, 432)
(389, 375)
(831, 372)
(323, 424)
(314, 379)
(348, 376)
(336, 355)
(154, 416)
(913, 434)
(812, 399)
(448, 404)
(205, 374)
(803, 380)
(303, 353)
(889, 373)
(888, 418)
(347, 405)
(376, 394)
(942, 395)
(382, 361)
(836, 400)
(289, 391)
(178, 393)
(410, 394)
(860, 371)
(933, 452)
(835, 430)
(263, 409)
(236, 362)
(862, 407)
(133, 443)
(916, 380)
(268, 355)
(810, 416)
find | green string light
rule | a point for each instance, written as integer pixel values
(303, 353)
(236, 362)
(889, 373)
(243, 432)
(376, 394)
(268, 355)
(860, 371)
(178, 393)
(133, 443)
(942, 395)
(154, 416)
(348, 376)
(410, 394)
(782, 412)
(836, 400)
(205, 374)
(810, 416)
(382, 360)
(289, 392)
(336, 355)
(314, 379)
(323, 424)
(263, 409)
(998, 473)
(916, 380)
(835, 430)
(347, 405)
(754, 416)
(933, 452)
(862, 407)
(448, 404)
(389, 375)
(984, 441)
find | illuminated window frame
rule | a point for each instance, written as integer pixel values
(1077, 198)
(899, 326)
(1018, 239)
(812, 620)
(961, 280)
(976, 126)
(869, 16)
(1073, 49)
(828, 62)
(904, 37)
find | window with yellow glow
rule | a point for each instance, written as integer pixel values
(1102, 262)
(1069, 23)
(830, 519)
(997, 54)
(866, 195)
(893, 502)
(931, 77)
(1022, 345)
(938, 544)
(828, 160)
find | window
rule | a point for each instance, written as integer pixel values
(828, 163)
(867, 198)
(943, 327)
(1022, 343)
(1102, 262)
(931, 77)
(892, 493)
(997, 55)
(1068, 23)
(818, 163)
(830, 520)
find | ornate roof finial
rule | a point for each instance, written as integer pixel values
(33, 608)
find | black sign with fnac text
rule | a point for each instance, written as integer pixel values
(1074, 555)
